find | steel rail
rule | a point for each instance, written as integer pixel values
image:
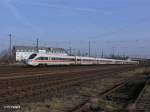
(41, 86)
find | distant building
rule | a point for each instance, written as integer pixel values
(21, 53)
(141, 60)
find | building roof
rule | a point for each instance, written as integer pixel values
(34, 48)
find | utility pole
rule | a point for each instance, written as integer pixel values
(10, 49)
(89, 48)
(70, 51)
(113, 51)
(37, 44)
(70, 48)
(102, 53)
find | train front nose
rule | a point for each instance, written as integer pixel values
(28, 62)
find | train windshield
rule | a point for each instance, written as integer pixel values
(32, 56)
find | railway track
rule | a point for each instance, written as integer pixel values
(124, 93)
(142, 103)
(42, 76)
(16, 90)
(85, 106)
(20, 71)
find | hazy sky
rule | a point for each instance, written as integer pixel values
(120, 26)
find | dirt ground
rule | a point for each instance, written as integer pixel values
(81, 93)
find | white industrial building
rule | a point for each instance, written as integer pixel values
(21, 53)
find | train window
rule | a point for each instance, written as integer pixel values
(45, 58)
(42, 58)
(66, 59)
(72, 59)
(78, 59)
(39, 58)
(32, 56)
(53, 58)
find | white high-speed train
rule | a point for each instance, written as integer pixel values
(38, 59)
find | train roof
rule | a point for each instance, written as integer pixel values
(66, 56)
(80, 57)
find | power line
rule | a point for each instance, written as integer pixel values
(142, 20)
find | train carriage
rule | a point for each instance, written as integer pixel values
(38, 59)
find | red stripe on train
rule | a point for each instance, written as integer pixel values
(51, 61)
